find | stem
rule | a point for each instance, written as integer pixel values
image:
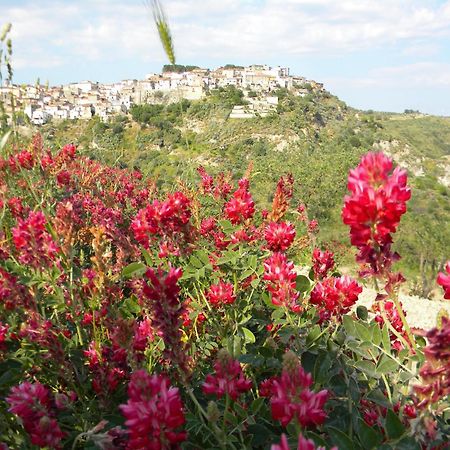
(405, 323)
(227, 405)
(203, 416)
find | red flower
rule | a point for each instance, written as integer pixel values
(12, 293)
(221, 294)
(207, 225)
(323, 262)
(303, 444)
(335, 296)
(16, 207)
(63, 178)
(241, 206)
(34, 244)
(444, 281)
(374, 208)
(153, 413)
(25, 159)
(279, 236)
(313, 226)
(281, 275)
(167, 310)
(228, 378)
(3, 331)
(435, 373)
(292, 399)
(207, 180)
(32, 403)
(169, 219)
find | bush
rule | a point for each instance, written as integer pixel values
(134, 318)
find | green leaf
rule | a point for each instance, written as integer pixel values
(376, 334)
(363, 331)
(340, 439)
(302, 283)
(387, 365)
(203, 257)
(251, 359)
(227, 226)
(394, 427)
(278, 313)
(349, 325)
(195, 262)
(364, 349)
(385, 339)
(252, 262)
(261, 435)
(370, 439)
(245, 274)
(135, 269)
(256, 405)
(148, 258)
(130, 307)
(368, 367)
(248, 336)
(361, 312)
(313, 334)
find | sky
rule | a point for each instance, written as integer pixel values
(385, 55)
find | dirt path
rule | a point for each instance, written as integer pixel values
(420, 312)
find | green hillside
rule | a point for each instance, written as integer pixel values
(317, 138)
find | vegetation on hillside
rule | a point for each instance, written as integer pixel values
(317, 138)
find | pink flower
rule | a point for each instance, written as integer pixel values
(374, 208)
(32, 403)
(282, 277)
(444, 281)
(279, 236)
(228, 378)
(335, 296)
(241, 206)
(153, 413)
(292, 399)
(221, 294)
(323, 262)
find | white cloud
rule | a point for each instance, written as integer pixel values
(407, 76)
(111, 29)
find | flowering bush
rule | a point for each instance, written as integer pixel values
(135, 319)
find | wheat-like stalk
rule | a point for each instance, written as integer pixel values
(163, 28)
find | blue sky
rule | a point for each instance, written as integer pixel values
(374, 54)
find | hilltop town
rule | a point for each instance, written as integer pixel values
(85, 99)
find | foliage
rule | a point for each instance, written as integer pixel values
(178, 68)
(136, 318)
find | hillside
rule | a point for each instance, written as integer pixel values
(317, 138)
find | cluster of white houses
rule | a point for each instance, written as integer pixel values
(85, 99)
